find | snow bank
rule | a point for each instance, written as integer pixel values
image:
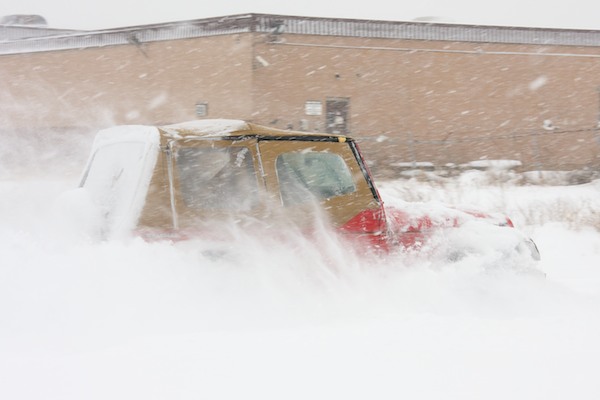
(575, 205)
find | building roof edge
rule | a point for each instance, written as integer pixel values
(286, 24)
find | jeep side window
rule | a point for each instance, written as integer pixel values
(217, 178)
(304, 176)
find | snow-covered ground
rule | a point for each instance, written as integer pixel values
(132, 320)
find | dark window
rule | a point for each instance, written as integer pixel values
(214, 178)
(201, 109)
(304, 176)
(337, 113)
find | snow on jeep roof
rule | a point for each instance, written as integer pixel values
(209, 127)
(231, 127)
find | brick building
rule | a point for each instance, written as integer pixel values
(409, 91)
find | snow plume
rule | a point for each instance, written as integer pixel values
(41, 134)
(57, 149)
(275, 316)
(283, 316)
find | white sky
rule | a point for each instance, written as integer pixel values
(582, 14)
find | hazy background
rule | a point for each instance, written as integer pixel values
(582, 14)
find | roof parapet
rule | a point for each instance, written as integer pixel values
(266, 23)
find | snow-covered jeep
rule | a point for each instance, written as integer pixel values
(186, 180)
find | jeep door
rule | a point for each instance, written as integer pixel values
(214, 180)
(310, 176)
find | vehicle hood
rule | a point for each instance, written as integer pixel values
(417, 217)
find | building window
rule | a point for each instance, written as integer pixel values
(337, 113)
(201, 109)
(313, 108)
